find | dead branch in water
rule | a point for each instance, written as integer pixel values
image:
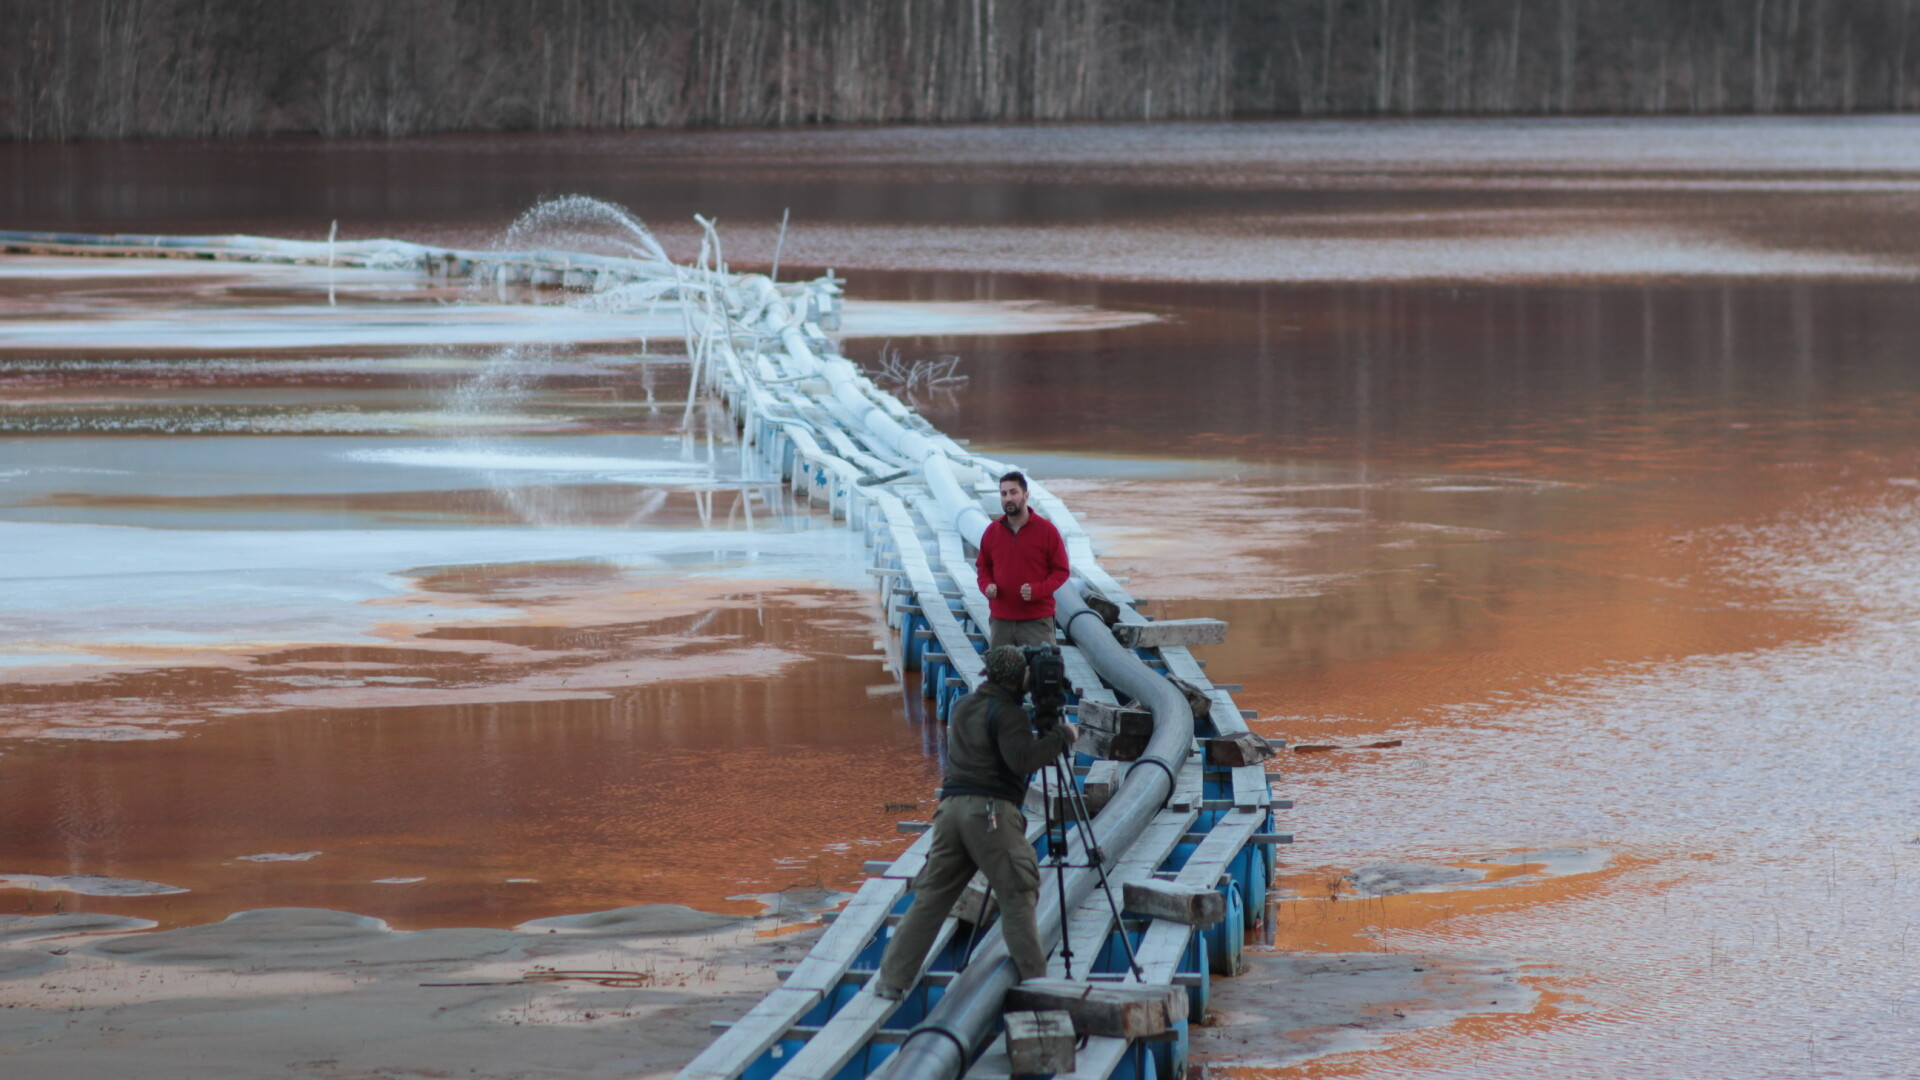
(919, 382)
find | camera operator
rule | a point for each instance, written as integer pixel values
(1022, 563)
(991, 751)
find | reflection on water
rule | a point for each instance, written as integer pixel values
(1534, 381)
(611, 785)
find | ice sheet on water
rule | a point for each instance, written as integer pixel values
(490, 459)
(83, 590)
(421, 325)
(427, 322)
(296, 465)
(1243, 248)
(87, 885)
(348, 325)
(40, 267)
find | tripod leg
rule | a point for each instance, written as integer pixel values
(1097, 858)
(1058, 844)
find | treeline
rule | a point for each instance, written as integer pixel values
(120, 68)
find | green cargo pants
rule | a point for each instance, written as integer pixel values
(1019, 632)
(965, 839)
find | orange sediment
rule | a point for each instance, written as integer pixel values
(1322, 919)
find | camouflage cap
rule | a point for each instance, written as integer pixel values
(1006, 665)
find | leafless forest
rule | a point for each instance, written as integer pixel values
(80, 69)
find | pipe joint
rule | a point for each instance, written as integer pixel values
(1083, 611)
(961, 1050)
(1159, 763)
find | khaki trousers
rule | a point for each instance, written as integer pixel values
(1019, 632)
(962, 842)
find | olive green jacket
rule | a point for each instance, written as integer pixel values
(991, 747)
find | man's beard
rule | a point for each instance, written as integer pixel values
(1012, 509)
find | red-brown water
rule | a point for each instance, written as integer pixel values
(1578, 458)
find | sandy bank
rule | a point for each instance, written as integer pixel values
(325, 993)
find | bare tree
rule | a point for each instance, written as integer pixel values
(124, 68)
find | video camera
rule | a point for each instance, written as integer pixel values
(1047, 682)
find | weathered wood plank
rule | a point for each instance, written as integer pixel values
(1103, 779)
(909, 862)
(1165, 942)
(1092, 921)
(1047, 794)
(1198, 698)
(1189, 786)
(1096, 1060)
(1119, 719)
(849, 1029)
(1219, 708)
(1106, 745)
(1250, 788)
(1223, 842)
(847, 935)
(1040, 1042)
(1238, 749)
(1165, 632)
(953, 638)
(1185, 904)
(1161, 949)
(1086, 681)
(765, 1024)
(1118, 1010)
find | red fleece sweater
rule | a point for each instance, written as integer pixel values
(1033, 556)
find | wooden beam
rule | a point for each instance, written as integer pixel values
(1118, 719)
(1113, 732)
(1118, 1010)
(1238, 750)
(1107, 610)
(1188, 905)
(1198, 700)
(1103, 779)
(1040, 1042)
(1101, 743)
(1164, 632)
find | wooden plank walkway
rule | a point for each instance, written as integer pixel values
(849, 1029)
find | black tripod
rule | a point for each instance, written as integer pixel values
(1060, 824)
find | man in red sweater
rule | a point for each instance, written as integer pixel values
(1022, 562)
